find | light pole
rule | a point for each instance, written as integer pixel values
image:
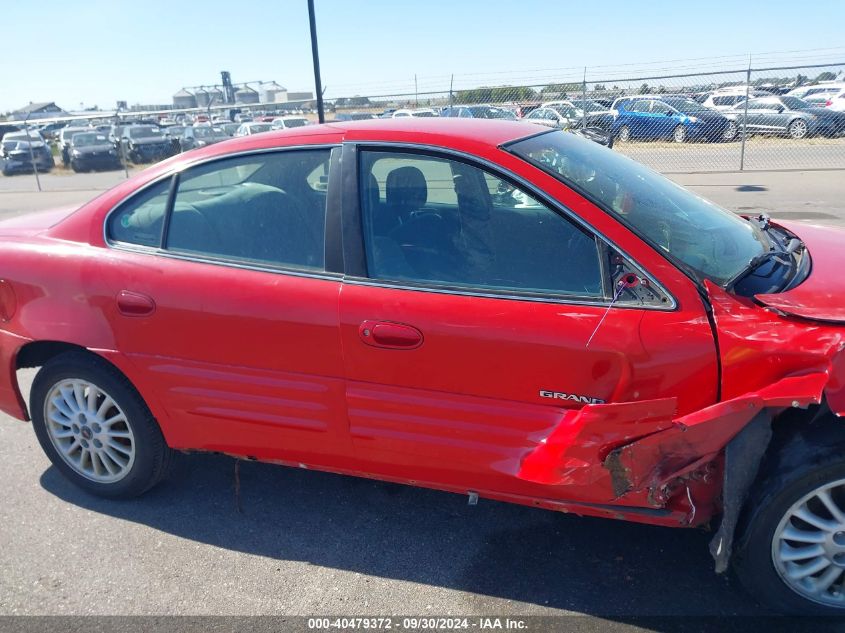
(321, 115)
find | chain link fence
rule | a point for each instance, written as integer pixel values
(775, 116)
(741, 119)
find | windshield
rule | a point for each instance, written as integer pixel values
(302, 122)
(144, 132)
(208, 132)
(423, 113)
(565, 111)
(261, 127)
(794, 103)
(685, 105)
(488, 112)
(69, 132)
(714, 243)
(589, 106)
(22, 136)
(84, 139)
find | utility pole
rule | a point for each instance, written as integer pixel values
(31, 152)
(321, 115)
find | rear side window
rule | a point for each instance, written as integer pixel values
(139, 220)
(436, 221)
(265, 208)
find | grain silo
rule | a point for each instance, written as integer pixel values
(184, 99)
(271, 92)
(246, 95)
(215, 96)
(202, 97)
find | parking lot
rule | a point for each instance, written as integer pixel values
(304, 543)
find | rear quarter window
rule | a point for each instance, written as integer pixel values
(139, 220)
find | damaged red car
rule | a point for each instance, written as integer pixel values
(489, 308)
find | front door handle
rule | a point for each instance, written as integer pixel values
(389, 335)
(134, 303)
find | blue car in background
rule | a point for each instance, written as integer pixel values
(679, 118)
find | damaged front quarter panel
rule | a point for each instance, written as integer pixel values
(643, 454)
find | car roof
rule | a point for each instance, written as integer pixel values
(446, 132)
(436, 130)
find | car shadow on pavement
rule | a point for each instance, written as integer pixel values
(592, 566)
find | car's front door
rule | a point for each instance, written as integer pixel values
(664, 119)
(232, 321)
(477, 313)
(760, 115)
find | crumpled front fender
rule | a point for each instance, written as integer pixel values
(643, 453)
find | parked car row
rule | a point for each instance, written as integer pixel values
(86, 148)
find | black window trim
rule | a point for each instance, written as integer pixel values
(174, 175)
(356, 264)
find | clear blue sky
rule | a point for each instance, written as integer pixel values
(98, 51)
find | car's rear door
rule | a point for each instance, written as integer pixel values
(474, 311)
(232, 321)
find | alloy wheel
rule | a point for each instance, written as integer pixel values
(808, 548)
(89, 430)
(798, 129)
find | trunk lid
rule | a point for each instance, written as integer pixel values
(34, 223)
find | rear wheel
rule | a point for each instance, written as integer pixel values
(793, 552)
(798, 128)
(95, 428)
(731, 131)
(679, 135)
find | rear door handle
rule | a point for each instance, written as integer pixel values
(389, 335)
(134, 303)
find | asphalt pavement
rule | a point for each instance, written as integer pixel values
(296, 542)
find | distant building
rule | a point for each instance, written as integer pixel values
(32, 111)
(271, 92)
(300, 96)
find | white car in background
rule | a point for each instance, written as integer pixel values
(830, 88)
(830, 100)
(286, 122)
(727, 98)
(253, 127)
(419, 112)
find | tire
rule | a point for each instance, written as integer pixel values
(679, 134)
(731, 131)
(762, 538)
(75, 166)
(624, 134)
(797, 129)
(132, 455)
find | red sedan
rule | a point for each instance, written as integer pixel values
(489, 308)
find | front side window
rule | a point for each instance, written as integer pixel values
(710, 241)
(434, 221)
(261, 208)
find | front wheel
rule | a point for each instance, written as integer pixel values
(793, 552)
(95, 428)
